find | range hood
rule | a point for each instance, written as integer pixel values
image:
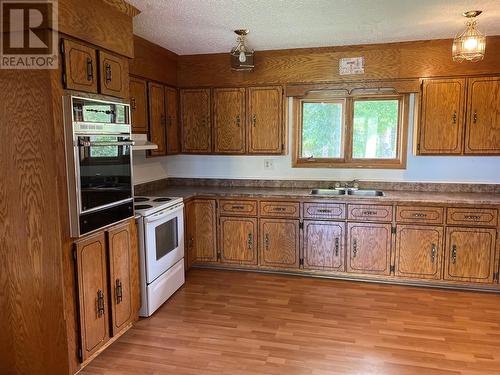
(141, 142)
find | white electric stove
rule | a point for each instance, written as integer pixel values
(160, 225)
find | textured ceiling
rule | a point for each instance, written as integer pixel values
(206, 26)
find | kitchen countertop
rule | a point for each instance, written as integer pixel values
(187, 192)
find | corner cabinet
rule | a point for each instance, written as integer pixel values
(460, 116)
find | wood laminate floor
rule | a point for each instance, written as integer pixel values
(224, 322)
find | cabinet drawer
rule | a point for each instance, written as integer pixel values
(411, 214)
(369, 212)
(279, 209)
(324, 211)
(237, 207)
(472, 216)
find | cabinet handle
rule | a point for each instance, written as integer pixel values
(472, 217)
(454, 254)
(419, 214)
(323, 211)
(237, 207)
(337, 244)
(90, 69)
(254, 120)
(474, 117)
(433, 252)
(354, 248)
(279, 209)
(369, 212)
(100, 303)
(108, 72)
(266, 241)
(190, 242)
(118, 291)
(132, 104)
(454, 117)
(250, 241)
(238, 121)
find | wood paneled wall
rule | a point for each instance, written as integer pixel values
(382, 61)
(153, 62)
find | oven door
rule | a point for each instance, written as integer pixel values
(104, 171)
(164, 240)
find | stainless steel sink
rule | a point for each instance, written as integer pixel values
(366, 193)
(328, 192)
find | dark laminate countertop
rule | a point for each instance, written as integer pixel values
(187, 192)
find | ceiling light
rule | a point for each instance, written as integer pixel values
(469, 45)
(241, 55)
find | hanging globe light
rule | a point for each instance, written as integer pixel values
(471, 44)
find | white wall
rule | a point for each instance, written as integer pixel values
(421, 168)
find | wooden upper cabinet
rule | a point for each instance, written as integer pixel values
(265, 120)
(229, 120)
(470, 254)
(139, 105)
(113, 73)
(80, 67)
(419, 251)
(196, 123)
(279, 243)
(442, 116)
(369, 247)
(92, 293)
(324, 245)
(120, 277)
(157, 120)
(483, 119)
(238, 240)
(172, 119)
(201, 231)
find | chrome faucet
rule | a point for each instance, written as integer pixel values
(348, 185)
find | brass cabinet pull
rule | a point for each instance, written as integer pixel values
(100, 303)
(454, 117)
(337, 244)
(254, 119)
(454, 254)
(118, 291)
(433, 252)
(354, 248)
(266, 241)
(238, 121)
(90, 69)
(250, 241)
(108, 73)
(474, 117)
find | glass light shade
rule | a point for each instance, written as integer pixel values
(470, 45)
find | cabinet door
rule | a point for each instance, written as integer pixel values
(80, 67)
(229, 120)
(157, 128)
(238, 240)
(120, 277)
(201, 231)
(483, 120)
(171, 110)
(113, 75)
(470, 254)
(92, 293)
(369, 248)
(442, 120)
(196, 124)
(265, 120)
(139, 105)
(279, 243)
(324, 245)
(418, 251)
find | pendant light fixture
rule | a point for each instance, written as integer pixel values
(471, 44)
(241, 55)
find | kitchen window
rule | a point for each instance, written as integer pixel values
(350, 131)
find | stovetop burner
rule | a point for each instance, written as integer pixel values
(162, 199)
(140, 199)
(142, 206)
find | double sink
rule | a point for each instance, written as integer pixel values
(348, 191)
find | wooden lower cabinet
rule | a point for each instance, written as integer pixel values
(419, 251)
(324, 245)
(279, 243)
(201, 231)
(238, 240)
(92, 293)
(470, 254)
(369, 247)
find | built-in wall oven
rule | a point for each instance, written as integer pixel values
(99, 163)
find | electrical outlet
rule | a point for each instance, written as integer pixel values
(268, 164)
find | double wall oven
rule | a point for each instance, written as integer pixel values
(99, 163)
